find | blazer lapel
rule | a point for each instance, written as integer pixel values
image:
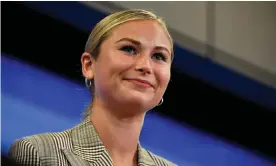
(144, 158)
(87, 147)
(73, 159)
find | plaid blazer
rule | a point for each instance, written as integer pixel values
(79, 146)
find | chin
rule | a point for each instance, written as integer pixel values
(137, 101)
(135, 97)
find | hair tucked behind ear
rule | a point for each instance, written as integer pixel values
(102, 30)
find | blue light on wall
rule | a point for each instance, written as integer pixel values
(36, 101)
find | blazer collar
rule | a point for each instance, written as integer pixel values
(88, 146)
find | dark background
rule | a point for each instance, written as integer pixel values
(56, 46)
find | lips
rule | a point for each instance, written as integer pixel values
(140, 82)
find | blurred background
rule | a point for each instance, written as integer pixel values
(219, 108)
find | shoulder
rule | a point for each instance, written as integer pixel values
(27, 151)
(21, 151)
(45, 140)
(160, 161)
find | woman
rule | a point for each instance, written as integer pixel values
(126, 65)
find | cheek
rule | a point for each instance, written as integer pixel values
(163, 77)
(110, 66)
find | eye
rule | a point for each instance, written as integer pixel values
(129, 49)
(159, 56)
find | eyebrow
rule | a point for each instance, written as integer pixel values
(139, 43)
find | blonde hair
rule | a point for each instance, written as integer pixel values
(103, 29)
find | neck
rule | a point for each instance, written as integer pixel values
(119, 134)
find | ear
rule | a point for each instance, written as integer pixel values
(87, 62)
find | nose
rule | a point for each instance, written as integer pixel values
(143, 64)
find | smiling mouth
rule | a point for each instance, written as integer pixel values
(140, 83)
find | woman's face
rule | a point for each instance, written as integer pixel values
(133, 67)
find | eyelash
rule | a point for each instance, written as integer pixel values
(133, 51)
(128, 49)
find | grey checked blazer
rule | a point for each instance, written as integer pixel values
(79, 146)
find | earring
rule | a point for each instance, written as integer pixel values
(87, 83)
(161, 102)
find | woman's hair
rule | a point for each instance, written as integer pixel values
(103, 29)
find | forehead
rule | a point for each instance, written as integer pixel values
(148, 32)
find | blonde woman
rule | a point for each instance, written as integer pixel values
(126, 65)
